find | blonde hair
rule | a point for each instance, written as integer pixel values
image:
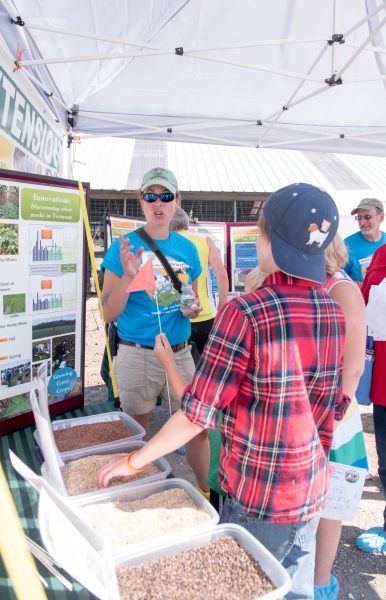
(254, 279)
(336, 255)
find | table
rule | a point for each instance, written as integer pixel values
(23, 444)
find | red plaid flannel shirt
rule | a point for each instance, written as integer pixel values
(273, 365)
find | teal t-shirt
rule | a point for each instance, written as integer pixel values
(139, 321)
(360, 253)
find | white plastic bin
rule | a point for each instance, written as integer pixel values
(136, 430)
(266, 560)
(148, 489)
(161, 463)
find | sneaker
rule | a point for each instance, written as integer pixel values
(372, 540)
(327, 592)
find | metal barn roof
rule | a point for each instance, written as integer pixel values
(118, 164)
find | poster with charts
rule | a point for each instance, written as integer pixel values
(42, 292)
(243, 254)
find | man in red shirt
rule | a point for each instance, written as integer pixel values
(374, 539)
(273, 366)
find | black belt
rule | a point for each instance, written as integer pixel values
(175, 348)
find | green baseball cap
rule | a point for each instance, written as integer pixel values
(160, 176)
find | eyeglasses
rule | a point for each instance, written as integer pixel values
(164, 197)
(365, 217)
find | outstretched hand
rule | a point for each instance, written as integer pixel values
(114, 468)
(130, 261)
(162, 350)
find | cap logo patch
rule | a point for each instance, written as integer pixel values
(317, 235)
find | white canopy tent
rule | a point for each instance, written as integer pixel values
(292, 74)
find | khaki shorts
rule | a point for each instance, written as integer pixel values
(141, 378)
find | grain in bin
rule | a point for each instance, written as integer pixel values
(141, 516)
(80, 472)
(97, 431)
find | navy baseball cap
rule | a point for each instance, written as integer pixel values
(303, 220)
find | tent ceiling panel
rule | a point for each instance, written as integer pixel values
(252, 73)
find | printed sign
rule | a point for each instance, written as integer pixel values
(346, 487)
(30, 139)
(243, 254)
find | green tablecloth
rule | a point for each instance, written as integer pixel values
(22, 443)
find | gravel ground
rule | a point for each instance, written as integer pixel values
(361, 575)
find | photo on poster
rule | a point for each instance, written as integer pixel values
(15, 373)
(36, 366)
(9, 239)
(14, 304)
(63, 352)
(9, 202)
(16, 405)
(49, 327)
(41, 351)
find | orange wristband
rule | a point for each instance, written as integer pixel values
(131, 469)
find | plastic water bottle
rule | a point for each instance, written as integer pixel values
(187, 299)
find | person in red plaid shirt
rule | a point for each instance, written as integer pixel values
(273, 366)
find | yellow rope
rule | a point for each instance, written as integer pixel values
(98, 291)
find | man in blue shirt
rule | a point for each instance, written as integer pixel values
(361, 245)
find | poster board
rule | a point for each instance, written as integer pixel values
(42, 294)
(242, 253)
(218, 233)
(116, 225)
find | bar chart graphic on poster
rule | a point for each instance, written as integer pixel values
(52, 244)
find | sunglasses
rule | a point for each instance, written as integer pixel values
(365, 217)
(164, 197)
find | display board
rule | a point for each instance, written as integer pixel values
(217, 232)
(242, 253)
(116, 226)
(42, 294)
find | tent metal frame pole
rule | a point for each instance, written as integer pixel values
(234, 63)
(24, 38)
(301, 141)
(375, 142)
(277, 115)
(364, 20)
(361, 47)
(367, 80)
(113, 56)
(333, 31)
(373, 49)
(364, 133)
(130, 42)
(91, 57)
(44, 88)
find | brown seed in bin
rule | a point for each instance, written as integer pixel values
(91, 434)
(81, 476)
(218, 570)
